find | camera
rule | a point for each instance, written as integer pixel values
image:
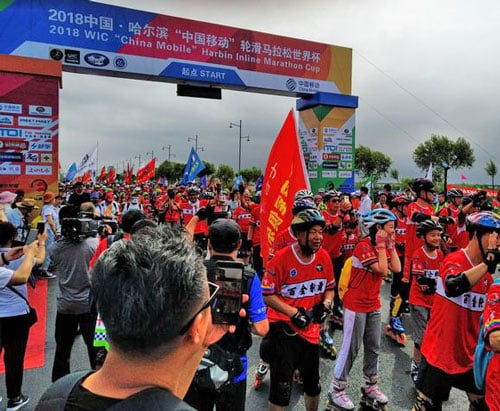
(78, 229)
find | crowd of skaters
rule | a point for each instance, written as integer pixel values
(345, 225)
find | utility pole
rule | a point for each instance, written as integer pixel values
(195, 139)
(239, 125)
(169, 147)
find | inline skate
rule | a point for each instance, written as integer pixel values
(337, 318)
(414, 367)
(373, 399)
(339, 401)
(326, 344)
(260, 374)
(396, 331)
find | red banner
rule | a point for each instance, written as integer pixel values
(285, 174)
(146, 173)
(468, 191)
(102, 175)
(129, 172)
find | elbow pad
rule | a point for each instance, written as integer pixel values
(456, 285)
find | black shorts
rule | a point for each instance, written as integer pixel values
(436, 384)
(288, 353)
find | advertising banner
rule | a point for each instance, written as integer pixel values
(29, 110)
(93, 37)
(327, 138)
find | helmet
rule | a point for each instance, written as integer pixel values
(455, 192)
(428, 225)
(305, 219)
(330, 194)
(379, 216)
(301, 194)
(193, 190)
(422, 184)
(401, 200)
(300, 205)
(484, 221)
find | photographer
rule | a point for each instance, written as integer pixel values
(71, 256)
(171, 210)
(223, 244)
(14, 308)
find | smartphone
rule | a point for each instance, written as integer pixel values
(227, 304)
(40, 227)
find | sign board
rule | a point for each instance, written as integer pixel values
(91, 37)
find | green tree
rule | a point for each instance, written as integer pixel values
(394, 173)
(171, 170)
(371, 163)
(439, 149)
(208, 170)
(251, 174)
(491, 170)
(225, 174)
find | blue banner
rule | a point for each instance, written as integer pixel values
(194, 166)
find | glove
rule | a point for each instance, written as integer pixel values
(492, 260)
(420, 217)
(211, 214)
(446, 220)
(461, 218)
(300, 318)
(320, 313)
(202, 214)
(429, 282)
(332, 229)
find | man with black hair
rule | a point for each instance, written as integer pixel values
(79, 196)
(223, 244)
(465, 277)
(71, 256)
(155, 299)
(298, 290)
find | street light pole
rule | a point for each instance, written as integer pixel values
(239, 125)
(169, 147)
(139, 157)
(195, 139)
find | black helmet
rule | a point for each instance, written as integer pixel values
(330, 194)
(306, 219)
(455, 192)
(428, 225)
(402, 199)
(422, 184)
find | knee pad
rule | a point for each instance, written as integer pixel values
(478, 405)
(265, 350)
(282, 395)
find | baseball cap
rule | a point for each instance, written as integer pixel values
(224, 235)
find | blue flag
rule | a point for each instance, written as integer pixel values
(237, 182)
(70, 175)
(258, 183)
(203, 181)
(194, 166)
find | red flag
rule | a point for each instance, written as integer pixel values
(145, 173)
(127, 178)
(87, 177)
(462, 177)
(285, 174)
(111, 175)
(102, 174)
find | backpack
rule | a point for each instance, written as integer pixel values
(345, 278)
(482, 356)
(56, 396)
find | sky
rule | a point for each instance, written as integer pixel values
(419, 68)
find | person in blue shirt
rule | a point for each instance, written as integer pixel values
(224, 240)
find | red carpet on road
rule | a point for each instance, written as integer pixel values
(35, 352)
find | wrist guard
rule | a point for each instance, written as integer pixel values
(300, 318)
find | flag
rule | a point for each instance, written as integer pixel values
(70, 175)
(129, 172)
(368, 183)
(285, 174)
(88, 163)
(258, 183)
(146, 173)
(428, 175)
(193, 167)
(203, 181)
(462, 177)
(111, 175)
(102, 174)
(237, 182)
(87, 177)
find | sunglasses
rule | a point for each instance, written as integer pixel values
(334, 201)
(214, 289)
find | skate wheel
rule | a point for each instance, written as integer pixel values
(257, 383)
(402, 339)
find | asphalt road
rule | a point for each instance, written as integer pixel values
(394, 370)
